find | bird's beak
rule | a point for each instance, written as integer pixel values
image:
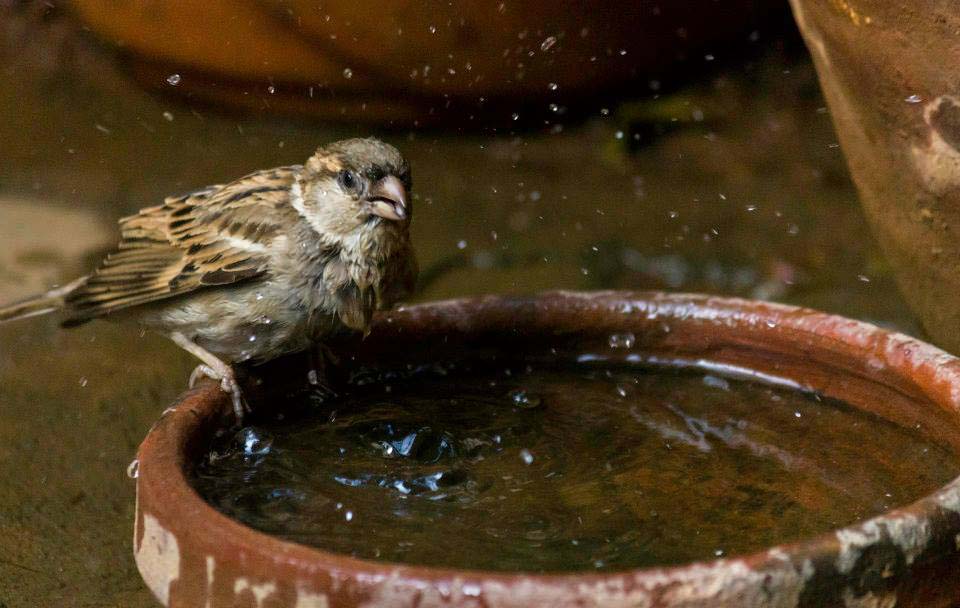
(388, 199)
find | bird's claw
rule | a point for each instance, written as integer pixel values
(201, 371)
(228, 384)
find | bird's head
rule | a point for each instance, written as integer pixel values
(354, 184)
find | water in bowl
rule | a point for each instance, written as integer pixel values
(558, 470)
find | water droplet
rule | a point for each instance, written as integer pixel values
(271, 89)
(913, 99)
(173, 79)
(347, 73)
(863, 278)
(133, 469)
(83, 381)
(254, 442)
(618, 134)
(548, 43)
(313, 378)
(604, 111)
(797, 414)
(621, 390)
(348, 516)
(526, 456)
(718, 552)
(623, 340)
(553, 86)
(433, 29)
(252, 338)
(168, 116)
(515, 116)
(524, 400)
(461, 244)
(716, 382)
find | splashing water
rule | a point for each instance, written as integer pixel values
(554, 470)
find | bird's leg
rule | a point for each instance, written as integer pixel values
(213, 368)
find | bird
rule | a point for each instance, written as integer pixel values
(266, 265)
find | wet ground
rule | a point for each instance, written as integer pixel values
(733, 184)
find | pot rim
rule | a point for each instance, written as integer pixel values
(165, 495)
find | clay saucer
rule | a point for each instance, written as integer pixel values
(189, 554)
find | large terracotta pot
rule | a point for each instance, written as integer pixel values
(411, 61)
(890, 74)
(191, 555)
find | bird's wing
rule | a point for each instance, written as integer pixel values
(214, 236)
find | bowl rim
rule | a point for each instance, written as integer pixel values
(166, 500)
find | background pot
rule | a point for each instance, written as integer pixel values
(191, 555)
(412, 62)
(889, 72)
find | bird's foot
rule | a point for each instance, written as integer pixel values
(321, 390)
(322, 361)
(228, 384)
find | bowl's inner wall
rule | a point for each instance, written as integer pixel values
(859, 377)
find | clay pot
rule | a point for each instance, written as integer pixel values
(191, 555)
(409, 60)
(888, 70)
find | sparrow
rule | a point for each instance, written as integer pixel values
(260, 267)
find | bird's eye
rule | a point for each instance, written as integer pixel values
(347, 179)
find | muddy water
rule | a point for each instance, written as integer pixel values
(553, 471)
(730, 184)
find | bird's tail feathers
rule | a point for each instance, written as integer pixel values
(41, 304)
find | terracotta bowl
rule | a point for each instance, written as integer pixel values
(191, 555)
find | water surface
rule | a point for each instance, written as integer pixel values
(551, 470)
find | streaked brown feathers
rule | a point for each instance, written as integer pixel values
(212, 237)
